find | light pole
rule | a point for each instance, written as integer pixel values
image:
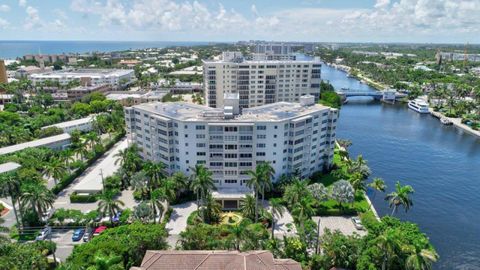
(318, 236)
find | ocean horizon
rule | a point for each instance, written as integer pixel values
(11, 49)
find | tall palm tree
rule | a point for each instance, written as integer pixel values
(212, 209)
(247, 207)
(358, 182)
(400, 197)
(155, 172)
(304, 210)
(156, 198)
(268, 173)
(295, 191)
(55, 169)
(276, 210)
(38, 197)
(237, 233)
(10, 186)
(92, 139)
(108, 204)
(202, 183)
(255, 182)
(421, 259)
(67, 156)
(139, 182)
(377, 184)
(388, 243)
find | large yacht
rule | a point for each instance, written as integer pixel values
(418, 105)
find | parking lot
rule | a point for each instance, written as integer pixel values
(343, 223)
(63, 239)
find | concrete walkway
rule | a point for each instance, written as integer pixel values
(178, 221)
(342, 223)
(283, 225)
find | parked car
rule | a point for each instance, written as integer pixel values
(48, 214)
(357, 223)
(88, 235)
(78, 234)
(44, 234)
(99, 230)
(116, 218)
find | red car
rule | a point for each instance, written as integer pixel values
(99, 230)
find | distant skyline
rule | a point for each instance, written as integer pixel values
(408, 21)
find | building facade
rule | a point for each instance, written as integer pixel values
(87, 77)
(260, 82)
(296, 138)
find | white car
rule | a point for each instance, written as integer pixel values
(44, 234)
(357, 223)
(48, 214)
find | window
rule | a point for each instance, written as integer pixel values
(261, 136)
(230, 181)
(201, 145)
(230, 164)
(201, 153)
(200, 127)
(260, 154)
(231, 129)
(261, 145)
(230, 146)
(261, 127)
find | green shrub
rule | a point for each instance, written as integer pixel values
(76, 198)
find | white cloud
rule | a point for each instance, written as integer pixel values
(22, 3)
(60, 14)
(4, 8)
(3, 23)
(382, 4)
(33, 18)
(254, 10)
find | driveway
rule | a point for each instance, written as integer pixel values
(178, 221)
(343, 223)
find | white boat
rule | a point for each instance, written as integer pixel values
(446, 121)
(418, 105)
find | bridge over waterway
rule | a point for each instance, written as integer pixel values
(388, 95)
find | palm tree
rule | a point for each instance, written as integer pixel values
(155, 172)
(377, 184)
(10, 186)
(295, 191)
(268, 173)
(247, 207)
(156, 198)
(401, 196)
(92, 139)
(421, 259)
(212, 209)
(139, 182)
(255, 182)
(276, 210)
(38, 197)
(237, 233)
(67, 156)
(388, 243)
(56, 170)
(358, 182)
(82, 150)
(108, 204)
(202, 183)
(105, 263)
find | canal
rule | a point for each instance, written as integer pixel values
(440, 162)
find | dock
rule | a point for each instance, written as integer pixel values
(457, 122)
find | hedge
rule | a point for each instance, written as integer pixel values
(76, 198)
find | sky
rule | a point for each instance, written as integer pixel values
(423, 21)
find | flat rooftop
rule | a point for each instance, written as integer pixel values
(264, 62)
(192, 112)
(73, 123)
(9, 166)
(36, 143)
(85, 73)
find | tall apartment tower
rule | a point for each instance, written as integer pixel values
(3, 72)
(260, 81)
(295, 138)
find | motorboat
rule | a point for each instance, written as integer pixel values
(419, 105)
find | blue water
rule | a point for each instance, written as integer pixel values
(440, 162)
(13, 49)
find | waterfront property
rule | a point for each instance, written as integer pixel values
(260, 81)
(293, 137)
(83, 125)
(214, 260)
(57, 142)
(87, 77)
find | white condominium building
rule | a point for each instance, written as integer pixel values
(260, 82)
(293, 137)
(87, 77)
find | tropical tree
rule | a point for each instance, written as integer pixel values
(421, 259)
(67, 157)
(37, 197)
(377, 184)
(108, 204)
(10, 186)
(295, 191)
(318, 191)
(268, 173)
(201, 183)
(139, 182)
(142, 212)
(236, 232)
(400, 197)
(213, 209)
(155, 172)
(254, 183)
(106, 263)
(276, 210)
(55, 169)
(156, 198)
(343, 192)
(92, 139)
(357, 180)
(247, 207)
(389, 245)
(303, 210)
